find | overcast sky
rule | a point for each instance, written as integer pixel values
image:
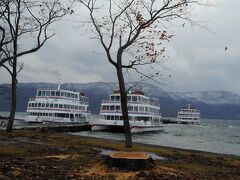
(198, 60)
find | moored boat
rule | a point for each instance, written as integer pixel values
(188, 115)
(58, 106)
(143, 111)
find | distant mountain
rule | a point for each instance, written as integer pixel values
(212, 104)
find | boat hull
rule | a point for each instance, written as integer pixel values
(117, 126)
(180, 121)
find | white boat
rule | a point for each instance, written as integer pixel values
(143, 111)
(58, 106)
(188, 115)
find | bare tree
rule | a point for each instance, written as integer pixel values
(24, 29)
(131, 33)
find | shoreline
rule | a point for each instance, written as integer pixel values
(50, 155)
(160, 146)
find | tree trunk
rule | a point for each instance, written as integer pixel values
(14, 96)
(123, 95)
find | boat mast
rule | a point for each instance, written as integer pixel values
(59, 84)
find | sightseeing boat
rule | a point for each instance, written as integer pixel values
(143, 112)
(188, 115)
(58, 106)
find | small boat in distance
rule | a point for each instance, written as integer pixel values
(143, 112)
(188, 115)
(58, 106)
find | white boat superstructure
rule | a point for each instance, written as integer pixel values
(58, 105)
(143, 111)
(188, 115)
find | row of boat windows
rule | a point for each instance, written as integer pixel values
(190, 114)
(131, 118)
(136, 99)
(57, 106)
(185, 118)
(62, 94)
(189, 110)
(130, 108)
(64, 115)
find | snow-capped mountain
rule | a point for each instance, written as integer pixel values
(208, 97)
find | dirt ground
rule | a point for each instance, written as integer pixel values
(49, 155)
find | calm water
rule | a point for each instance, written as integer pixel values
(218, 136)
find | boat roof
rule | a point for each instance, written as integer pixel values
(55, 89)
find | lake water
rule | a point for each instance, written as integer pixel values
(218, 136)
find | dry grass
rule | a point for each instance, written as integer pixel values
(31, 154)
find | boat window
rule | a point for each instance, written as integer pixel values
(47, 93)
(117, 98)
(134, 98)
(52, 93)
(117, 108)
(43, 104)
(51, 105)
(47, 104)
(72, 95)
(62, 93)
(130, 108)
(39, 93)
(107, 107)
(139, 98)
(146, 109)
(111, 107)
(64, 115)
(76, 96)
(135, 108)
(129, 98)
(55, 105)
(71, 107)
(141, 108)
(111, 98)
(60, 106)
(39, 104)
(68, 94)
(76, 107)
(57, 93)
(103, 108)
(68, 106)
(43, 93)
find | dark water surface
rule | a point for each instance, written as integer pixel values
(218, 136)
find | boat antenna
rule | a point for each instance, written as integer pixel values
(59, 84)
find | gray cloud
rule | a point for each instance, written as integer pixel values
(198, 60)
